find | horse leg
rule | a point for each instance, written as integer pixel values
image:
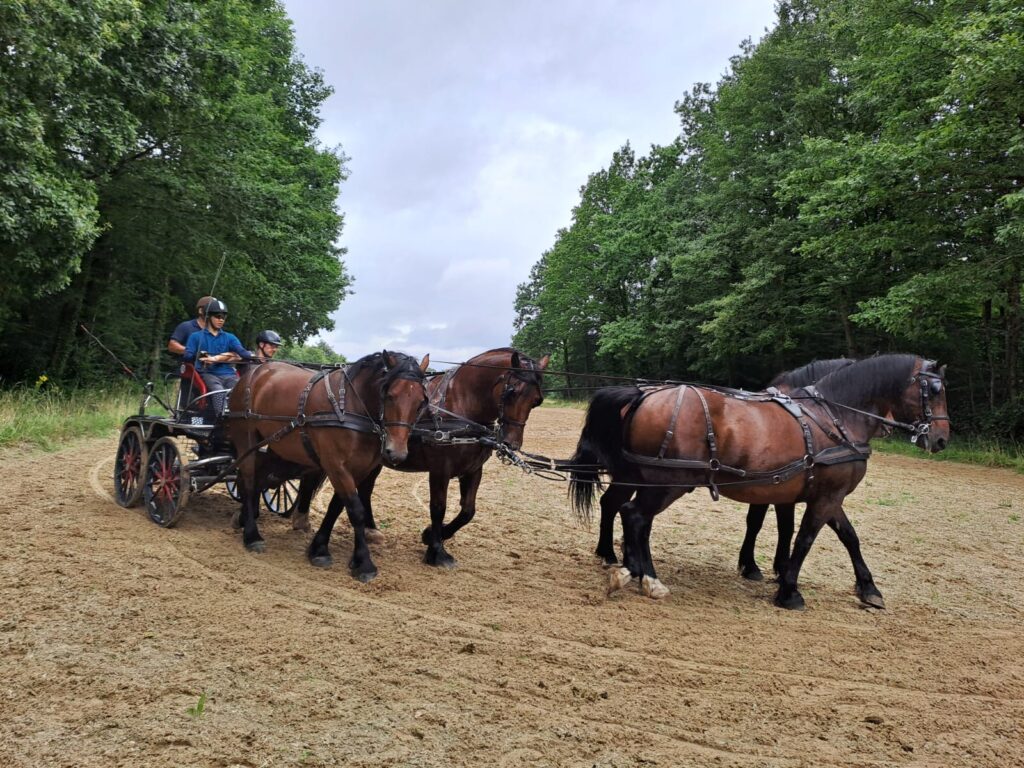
(248, 488)
(373, 535)
(361, 565)
(755, 519)
(637, 520)
(611, 502)
(308, 484)
(788, 596)
(433, 536)
(469, 484)
(784, 516)
(319, 552)
(866, 589)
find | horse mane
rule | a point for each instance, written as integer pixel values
(528, 370)
(876, 378)
(405, 367)
(810, 373)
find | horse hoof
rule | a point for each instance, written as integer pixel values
(300, 524)
(374, 536)
(751, 573)
(236, 520)
(618, 578)
(426, 536)
(653, 588)
(365, 576)
(321, 561)
(258, 546)
(442, 560)
(792, 602)
(872, 599)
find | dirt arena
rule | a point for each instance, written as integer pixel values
(111, 628)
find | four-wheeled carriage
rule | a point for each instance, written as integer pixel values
(162, 461)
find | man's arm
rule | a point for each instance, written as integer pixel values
(175, 347)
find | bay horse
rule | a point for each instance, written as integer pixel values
(490, 396)
(784, 382)
(338, 422)
(811, 447)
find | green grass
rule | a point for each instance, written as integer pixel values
(967, 449)
(49, 418)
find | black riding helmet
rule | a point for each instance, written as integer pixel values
(269, 337)
(215, 307)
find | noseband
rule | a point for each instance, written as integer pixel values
(930, 383)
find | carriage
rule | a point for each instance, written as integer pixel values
(161, 461)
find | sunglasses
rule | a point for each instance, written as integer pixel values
(221, 315)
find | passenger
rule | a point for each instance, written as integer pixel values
(176, 344)
(213, 350)
(267, 343)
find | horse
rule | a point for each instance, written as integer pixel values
(339, 422)
(784, 382)
(498, 387)
(663, 442)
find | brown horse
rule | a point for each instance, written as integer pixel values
(663, 443)
(487, 398)
(338, 422)
(612, 500)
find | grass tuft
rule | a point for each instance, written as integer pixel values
(967, 449)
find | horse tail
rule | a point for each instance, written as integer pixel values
(599, 446)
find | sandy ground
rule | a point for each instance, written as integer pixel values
(111, 628)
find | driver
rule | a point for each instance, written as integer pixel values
(212, 351)
(267, 343)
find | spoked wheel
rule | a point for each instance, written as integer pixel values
(129, 467)
(166, 488)
(231, 486)
(281, 500)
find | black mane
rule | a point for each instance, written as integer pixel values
(877, 378)
(405, 367)
(527, 371)
(810, 373)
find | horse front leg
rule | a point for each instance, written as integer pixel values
(469, 484)
(433, 536)
(611, 502)
(248, 488)
(747, 565)
(361, 564)
(788, 596)
(373, 534)
(866, 589)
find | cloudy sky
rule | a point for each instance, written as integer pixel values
(471, 126)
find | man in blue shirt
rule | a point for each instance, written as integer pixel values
(176, 344)
(213, 350)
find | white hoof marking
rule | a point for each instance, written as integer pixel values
(653, 588)
(618, 578)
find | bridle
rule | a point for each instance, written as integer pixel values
(508, 392)
(929, 383)
(411, 373)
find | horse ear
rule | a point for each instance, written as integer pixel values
(389, 358)
(515, 360)
(425, 363)
(942, 371)
(543, 362)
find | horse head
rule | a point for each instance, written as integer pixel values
(403, 395)
(518, 391)
(924, 404)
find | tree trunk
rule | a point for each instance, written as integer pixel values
(1012, 332)
(986, 322)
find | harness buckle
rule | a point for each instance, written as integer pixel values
(714, 465)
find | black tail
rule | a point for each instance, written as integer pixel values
(600, 445)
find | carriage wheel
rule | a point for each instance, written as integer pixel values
(129, 467)
(281, 500)
(166, 489)
(231, 486)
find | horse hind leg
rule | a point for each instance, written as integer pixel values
(373, 534)
(611, 502)
(637, 521)
(469, 484)
(433, 536)
(784, 517)
(747, 565)
(788, 595)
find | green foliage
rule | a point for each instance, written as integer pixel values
(198, 709)
(320, 353)
(851, 185)
(155, 141)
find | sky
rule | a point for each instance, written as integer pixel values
(470, 127)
